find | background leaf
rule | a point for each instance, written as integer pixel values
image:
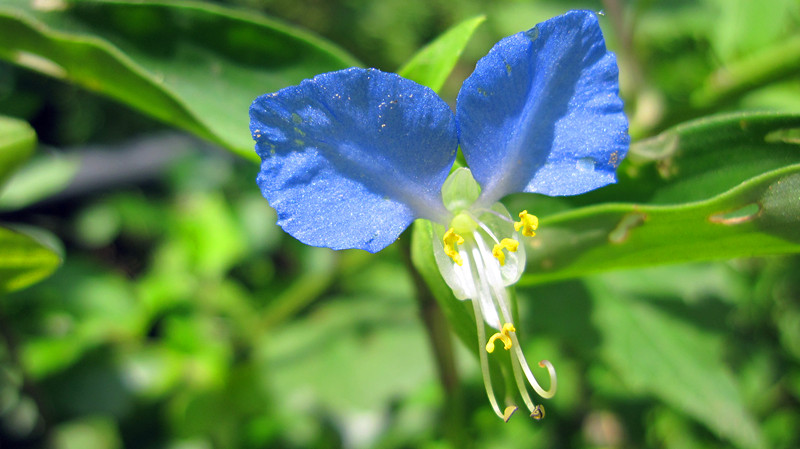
(17, 141)
(758, 217)
(694, 207)
(193, 65)
(26, 255)
(44, 176)
(697, 160)
(25, 258)
(669, 357)
(432, 64)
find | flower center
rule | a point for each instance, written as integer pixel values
(463, 223)
(479, 255)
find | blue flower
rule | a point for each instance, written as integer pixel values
(351, 158)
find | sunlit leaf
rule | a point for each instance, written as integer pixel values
(706, 157)
(351, 361)
(26, 257)
(716, 188)
(94, 432)
(17, 141)
(759, 217)
(42, 177)
(192, 65)
(432, 65)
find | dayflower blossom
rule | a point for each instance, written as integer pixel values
(351, 158)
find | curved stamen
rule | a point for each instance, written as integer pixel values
(520, 381)
(487, 379)
(500, 300)
(499, 294)
(546, 394)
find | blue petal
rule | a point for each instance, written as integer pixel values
(351, 158)
(541, 113)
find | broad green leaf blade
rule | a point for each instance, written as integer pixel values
(432, 65)
(345, 358)
(656, 353)
(697, 160)
(26, 257)
(17, 142)
(192, 65)
(758, 217)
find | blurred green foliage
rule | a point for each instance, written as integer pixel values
(182, 317)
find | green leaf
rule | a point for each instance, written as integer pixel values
(714, 188)
(432, 65)
(743, 26)
(192, 65)
(351, 361)
(44, 176)
(758, 217)
(703, 158)
(26, 257)
(17, 142)
(682, 364)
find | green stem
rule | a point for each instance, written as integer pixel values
(438, 332)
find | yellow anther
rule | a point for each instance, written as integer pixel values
(503, 336)
(508, 412)
(528, 223)
(509, 244)
(451, 239)
(537, 413)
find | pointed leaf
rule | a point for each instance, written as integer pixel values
(196, 66)
(17, 142)
(759, 217)
(702, 158)
(717, 188)
(432, 65)
(26, 257)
